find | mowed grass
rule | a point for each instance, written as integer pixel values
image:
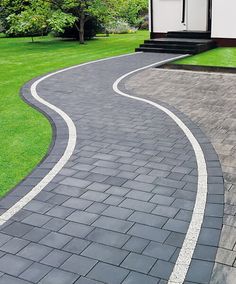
(219, 57)
(25, 134)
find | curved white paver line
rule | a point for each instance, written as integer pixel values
(185, 256)
(69, 149)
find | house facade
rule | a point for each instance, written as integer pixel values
(215, 16)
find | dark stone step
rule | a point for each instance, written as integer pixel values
(179, 40)
(164, 50)
(172, 45)
(189, 34)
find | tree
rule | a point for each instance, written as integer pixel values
(84, 10)
(38, 17)
(133, 11)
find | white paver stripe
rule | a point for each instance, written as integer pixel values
(184, 259)
(69, 149)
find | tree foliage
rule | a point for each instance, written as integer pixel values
(31, 17)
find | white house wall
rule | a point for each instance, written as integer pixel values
(223, 19)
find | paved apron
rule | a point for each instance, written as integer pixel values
(119, 210)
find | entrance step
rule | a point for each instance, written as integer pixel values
(177, 45)
(189, 34)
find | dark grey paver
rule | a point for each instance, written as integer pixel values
(108, 237)
(140, 263)
(159, 251)
(35, 272)
(34, 251)
(13, 264)
(139, 278)
(113, 223)
(55, 240)
(12, 280)
(108, 273)
(14, 245)
(76, 230)
(149, 233)
(59, 277)
(78, 264)
(55, 258)
(105, 253)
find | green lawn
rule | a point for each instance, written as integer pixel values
(25, 133)
(220, 57)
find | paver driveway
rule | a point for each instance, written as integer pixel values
(118, 212)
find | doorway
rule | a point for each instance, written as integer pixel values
(196, 15)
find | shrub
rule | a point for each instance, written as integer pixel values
(120, 27)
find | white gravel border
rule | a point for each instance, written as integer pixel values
(185, 256)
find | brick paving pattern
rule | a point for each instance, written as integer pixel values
(119, 210)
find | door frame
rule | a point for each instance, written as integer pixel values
(209, 14)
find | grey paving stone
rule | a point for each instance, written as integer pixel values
(113, 200)
(97, 208)
(58, 199)
(59, 277)
(159, 251)
(136, 244)
(170, 183)
(34, 251)
(83, 217)
(214, 210)
(176, 226)
(12, 280)
(200, 271)
(94, 196)
(183, 204)
(108, 273)
(13, 264)
(139, 278)
(35, 272)
(207, 253)
(148, 219)
(75, 182)
(55, 240)
(108, 237)
(97, 186)
(137, 205)
(4, 239)
(116, 181)
(83, 280)
(38, 206)
(60, 212)
(55, 224)
(175, 239)
(162, 269)
(105, 253)
(165, 211)
(127, 175)
(143, 196)
(149, 233)
(162, 200)
(184, 215)
(209, 237)
(17, 229)
(105, 157)
(67, 190)
(137, 185)
(14, 245)
(36, 234)
(105, 171)
(77, 203)
(79, 264)
(76, 230)
(137, 262)
(55, 258)
(113, 224)
(76, 245)
(117, 212)
(145, 178)
(93, 177)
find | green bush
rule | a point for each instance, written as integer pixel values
(120, 27)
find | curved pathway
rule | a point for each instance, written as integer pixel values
(119, 210)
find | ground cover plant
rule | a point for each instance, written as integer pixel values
(219, 57)
(25, 133)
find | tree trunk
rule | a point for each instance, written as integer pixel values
(81, 28)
